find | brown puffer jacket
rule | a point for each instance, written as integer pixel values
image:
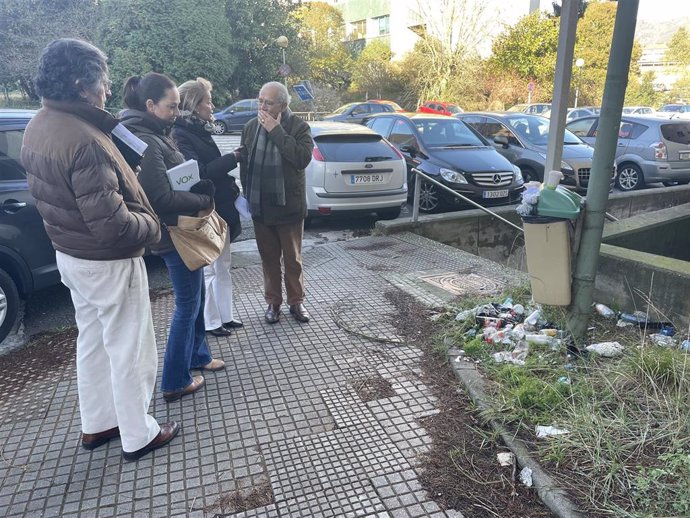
(88, 196)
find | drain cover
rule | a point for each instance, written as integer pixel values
(463, 284)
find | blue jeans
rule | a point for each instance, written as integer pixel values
(187, 345)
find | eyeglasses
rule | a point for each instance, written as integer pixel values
(266, 102)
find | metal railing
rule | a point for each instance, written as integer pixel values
(417, 190)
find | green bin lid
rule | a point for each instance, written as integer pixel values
(558, 203)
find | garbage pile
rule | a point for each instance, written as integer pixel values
(515, 328)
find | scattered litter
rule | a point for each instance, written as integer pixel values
(605, 311)
(640, 318)
(667, 330)
(465, 314)
(550, 431)
(507, 357)
(685, 346)
(662, 340)
(606, 349)
(533, 318)
(449, 341)
(506, 458)
(623, 323)
(526, 476)
(519, 309)
(434, 317)
(538, 339)
(565, 380)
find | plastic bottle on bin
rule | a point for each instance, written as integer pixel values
(552, 179)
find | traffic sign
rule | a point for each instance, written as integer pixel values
(530, 86)
(303, 93)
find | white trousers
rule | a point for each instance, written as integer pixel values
(116, 346)
(218, 305)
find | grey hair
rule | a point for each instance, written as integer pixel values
(192, 92)
(283, 95)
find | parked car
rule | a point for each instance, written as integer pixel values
(235, 116)
(650, 149)
(675, 108)
(452, 153)
(440, 107)
(638, 110)
(354, 169)
(357, 112)
(532, 109)
(576, 113)
(27, 257)
(396, 107)
(522, 139)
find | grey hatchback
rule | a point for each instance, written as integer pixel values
(357, 112)
(650, 149)
(522, 139)
(27, 258)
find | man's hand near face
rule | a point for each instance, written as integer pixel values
(267, 120)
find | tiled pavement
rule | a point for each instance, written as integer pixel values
(283, 430)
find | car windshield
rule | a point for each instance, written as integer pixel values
(535, 130)
(453, 109)
(447, 133)
(343, 108)
(672, 108)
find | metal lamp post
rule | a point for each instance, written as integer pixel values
(282, 42)
(579, 63)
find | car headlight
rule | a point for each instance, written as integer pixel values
(519, 180)
(452, 176)
(566, 165)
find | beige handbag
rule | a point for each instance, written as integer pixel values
(199, 239)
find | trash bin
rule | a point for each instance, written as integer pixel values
(547, 245)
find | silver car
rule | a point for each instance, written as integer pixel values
(354, 170)
(522, 139)
(650, 149)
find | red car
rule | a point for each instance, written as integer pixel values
(440, 107)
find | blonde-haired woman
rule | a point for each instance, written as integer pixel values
(192, 133)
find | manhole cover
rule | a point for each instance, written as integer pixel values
(463, 284)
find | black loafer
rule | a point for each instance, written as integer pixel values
(299, 312)
(272, 314)
(220, 331)
(232, 324)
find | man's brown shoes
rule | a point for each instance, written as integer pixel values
(167, 433)
(90, 441)
(272, 314)
(299, 312)
(196, 384)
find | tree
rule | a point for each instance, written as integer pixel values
(322, 29)
(179, 38)
(528, 51)
(373, 74)
(641, 91)
(254, 27)
(678, 51)
(27, 26)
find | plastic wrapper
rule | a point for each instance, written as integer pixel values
(606, 349)
(605, 311)
(662, 340)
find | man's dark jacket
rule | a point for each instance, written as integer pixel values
(293, 138)
(196, 143)
(88, 196)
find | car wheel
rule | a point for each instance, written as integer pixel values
(429, 198)
(389, 213)
(629, 177)
(9, 304)
(671, 184)
(219, 127)
(528, 174)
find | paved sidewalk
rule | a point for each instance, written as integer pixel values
(283, 430)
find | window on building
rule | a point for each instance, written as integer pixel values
(359, 30)
(384, 24)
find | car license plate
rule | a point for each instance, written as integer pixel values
(495, 194)
(359, 179)
(684, 155)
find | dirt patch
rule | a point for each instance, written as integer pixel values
(460, 471)
(241, 500)
(372, 388)
(364, 232)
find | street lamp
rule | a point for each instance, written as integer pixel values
(282, 42)
(579, 63)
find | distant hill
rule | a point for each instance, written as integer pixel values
(656, 33)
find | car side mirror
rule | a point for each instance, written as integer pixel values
(502, 140)
(407, 148)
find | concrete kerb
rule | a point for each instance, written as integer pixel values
(554, 497)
